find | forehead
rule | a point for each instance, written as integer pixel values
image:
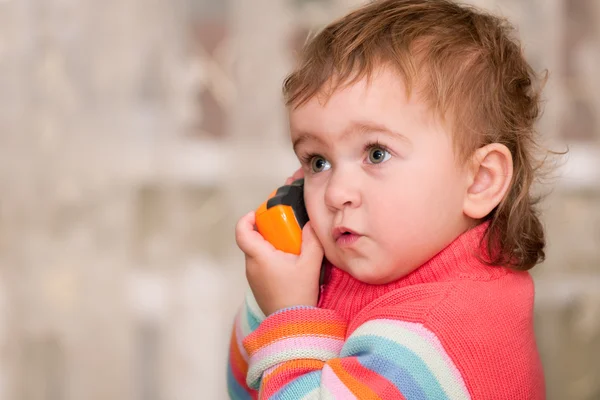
(382, 99)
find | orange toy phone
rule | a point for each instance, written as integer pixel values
(281, 218)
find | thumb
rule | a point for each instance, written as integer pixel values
(312, 249)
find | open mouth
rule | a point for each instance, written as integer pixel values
(342, 231)
(347, 239)
(344, 236)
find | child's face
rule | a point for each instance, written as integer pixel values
(382, 167)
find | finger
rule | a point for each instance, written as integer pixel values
(298, 174)
(248, 239)
(311, 251)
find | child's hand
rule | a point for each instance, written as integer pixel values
(277, 279)
(297, 175)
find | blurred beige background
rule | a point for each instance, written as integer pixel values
(133, 134)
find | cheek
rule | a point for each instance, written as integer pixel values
(438, 174)
(311, 203)
(394, 208)
(444, 197)
(316, 212)
(427, 191)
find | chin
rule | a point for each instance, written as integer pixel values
(373, 276)
(379, 280)
(370, 276)
(373, 280)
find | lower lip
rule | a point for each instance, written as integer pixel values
(347, 240)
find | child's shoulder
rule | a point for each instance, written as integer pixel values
(494, 300)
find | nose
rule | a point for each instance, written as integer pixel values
(343, 190)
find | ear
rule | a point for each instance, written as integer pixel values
(490, 175)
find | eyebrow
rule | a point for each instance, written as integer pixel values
(355, 128)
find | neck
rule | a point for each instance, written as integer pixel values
(348, 295)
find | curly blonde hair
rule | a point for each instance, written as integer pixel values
(470, 69)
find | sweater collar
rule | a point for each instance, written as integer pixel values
(458, 260)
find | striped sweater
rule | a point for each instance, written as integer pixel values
(452, 329)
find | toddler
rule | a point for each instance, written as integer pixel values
(413, 121)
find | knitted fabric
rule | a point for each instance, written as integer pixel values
(454, 328)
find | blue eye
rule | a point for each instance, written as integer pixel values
(319, 164)
(377, 155)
